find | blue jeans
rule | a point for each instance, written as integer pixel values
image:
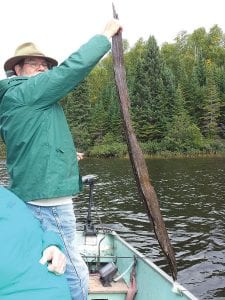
(61, 219)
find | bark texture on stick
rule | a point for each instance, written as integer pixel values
(145, 188)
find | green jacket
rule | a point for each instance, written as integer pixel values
(41, 157)
(22, 242)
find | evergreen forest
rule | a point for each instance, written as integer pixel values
(177, 98)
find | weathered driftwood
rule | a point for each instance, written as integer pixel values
(139, 166)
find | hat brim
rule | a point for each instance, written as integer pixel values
(11, 62)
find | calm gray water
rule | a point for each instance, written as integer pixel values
(191, 193)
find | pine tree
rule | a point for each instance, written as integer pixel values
(183, 134)
(98, 123)
(76, 106)
(211, 106)
(148, 92)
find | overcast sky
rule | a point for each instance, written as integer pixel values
(60, 27)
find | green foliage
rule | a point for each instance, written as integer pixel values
(210, 107)
(108, 150)
(177, 98)
(183, 137)
(110, 146)
(151, 147)
(76, 106)
(81, 137)
(151, 94)
(2, 149)
(98, 123)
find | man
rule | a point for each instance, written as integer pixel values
(23, 273)
(41, 157)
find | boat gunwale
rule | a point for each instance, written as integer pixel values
(176, 286)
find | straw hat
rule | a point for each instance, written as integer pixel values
(23, 51)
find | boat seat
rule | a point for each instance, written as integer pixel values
(116, 290)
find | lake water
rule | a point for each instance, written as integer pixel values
(192, 201)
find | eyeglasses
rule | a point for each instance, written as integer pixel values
(36, 65)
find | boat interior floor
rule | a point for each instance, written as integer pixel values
(96, 286)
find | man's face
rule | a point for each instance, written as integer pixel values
(31, 66)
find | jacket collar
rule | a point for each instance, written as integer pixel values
(6, 84)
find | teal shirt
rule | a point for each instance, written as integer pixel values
(21, 244)
(41, 156)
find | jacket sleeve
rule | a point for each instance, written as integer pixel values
(49, 87)
(51, 238)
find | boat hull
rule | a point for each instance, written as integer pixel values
(109, 248)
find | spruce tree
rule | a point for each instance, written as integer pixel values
(76, 106)
(147, 98)
(211, 106)
(183, 134)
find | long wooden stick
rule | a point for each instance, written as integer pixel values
(140, 170)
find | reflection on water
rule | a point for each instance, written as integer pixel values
(191, 193)
(3, 174)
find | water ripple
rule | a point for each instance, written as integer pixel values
(191, 194)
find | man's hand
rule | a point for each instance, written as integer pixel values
(56, 260)
(111, 28)
(80, 155)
